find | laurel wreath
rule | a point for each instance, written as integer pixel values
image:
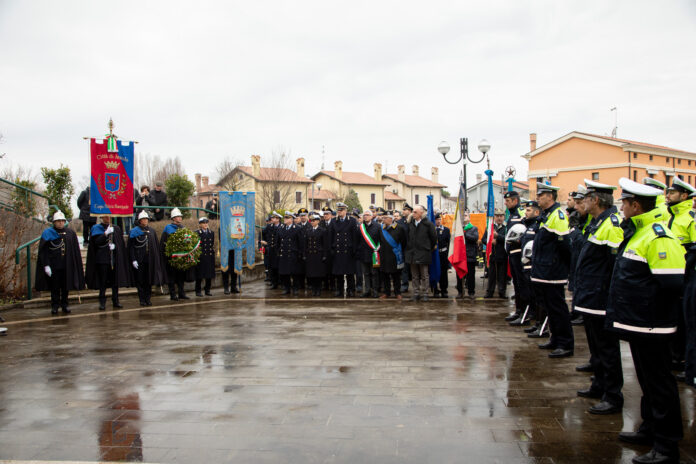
(183, 249)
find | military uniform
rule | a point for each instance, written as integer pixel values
(550, 266)
(316, 253)
(146, 266)
(647, 279)
(272, 251)
(514, 250)
(343, 238)
(290, 253)
(205, 269)
(329, 280)
(176, 279)
(106, 265)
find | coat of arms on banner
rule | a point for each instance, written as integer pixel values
(238, 223)
(111, 182)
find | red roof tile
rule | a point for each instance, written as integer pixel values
(276, 175)
(354, 178)
(415, 181)
(391, 196)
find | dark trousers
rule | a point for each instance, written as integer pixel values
(359, 277)
(444, 278)
(405, 277)
(522, 292)
(659, 405)
(229, 276)
(208, 283)
(592, 345)
(690, 324)
(275, 277)
(142, 281)
(86, 227)
(59, 289)
(370, 277)
(177, 279)
(534, 311)
(349, 282)
(552, 298)
(470, 279)
(678, 342)
(497, 274)
(607, 368)
(315, 283)
(106, 275)
(290, 281)
(391, 280)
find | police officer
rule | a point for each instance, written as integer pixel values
(443, 241)
(513, 249)
(343, 237)
(290, 253)
(550, 264)
(595, 263)
(577, 220)
(106, 261)
(272, 248)
(680, 220)
(690, 313)
(660, 201)
(532, 220)
(316, 253)
(59, 263)
(498, 260)
(648, 278)
(175, 278)
(205, 269)
(143, 254)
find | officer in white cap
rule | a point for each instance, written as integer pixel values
(660, 201)
(144, 258)
(603, 236)
(647, 280)
(550, 267)
(174, 277)
(205, 269)
(689, 313)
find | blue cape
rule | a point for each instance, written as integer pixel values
(49, 234)
(97, 230)
(171, 228)
(136, 232)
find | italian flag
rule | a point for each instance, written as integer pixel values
(457, 247)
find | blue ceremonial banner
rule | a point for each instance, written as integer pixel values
(434, 268)
(237, 221)
(111, 185)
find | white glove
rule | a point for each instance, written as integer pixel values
(135, 264)
(109, 230)
(112, 247)
(47, 270)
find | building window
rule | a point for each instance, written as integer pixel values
(681, 177)
(298, 198)
(417, 199)
(390, 204)
(668, 179)
(635, 175)
(667, 159)
(635, 155)
(689, 162)
(373, 198)
(276, 197)
(689, 179)
(651, 157)
(678, 160)
(595, 176)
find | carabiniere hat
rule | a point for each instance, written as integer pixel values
(408, 207)
(532, 203)
(596, 187)
(631, 189)
(654, 183)
(545, 188)
(302, 211)
(203, 219)
(511, 194)
(681, 186)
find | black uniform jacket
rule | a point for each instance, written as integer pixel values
(290, 249)
(99, 253)
(205, 269)
(316, 251)
(343, 235)
(60, 252)
(144, 248)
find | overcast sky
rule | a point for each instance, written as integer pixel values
(369, 80)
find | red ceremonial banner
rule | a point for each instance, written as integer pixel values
(111, 190)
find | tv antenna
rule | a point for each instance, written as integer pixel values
(615, 110)
(322, 156)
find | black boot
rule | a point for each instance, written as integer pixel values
(102, 304)
(227, 290)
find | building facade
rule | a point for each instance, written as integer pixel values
(413, 188)
(477, 195)
(339, 183)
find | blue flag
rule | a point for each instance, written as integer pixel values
(434, 269)
(237, 228)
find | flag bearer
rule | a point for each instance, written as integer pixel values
(106, 261)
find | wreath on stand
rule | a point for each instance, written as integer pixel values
(183, 249)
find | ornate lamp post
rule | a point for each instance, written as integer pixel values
(483, 147)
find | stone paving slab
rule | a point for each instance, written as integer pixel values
(261, 378)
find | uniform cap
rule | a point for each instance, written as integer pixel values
(631, 189)
(593, 186)
(289, 214)
(175, 213)
(302, 211)
(498, 212)
(203, 219)
(545, 188)
(143, 215)
(381, 211)
(276, 214)
(373, 207)
(58, 216)
(580, 193)
(340, 205)
(438, 216)
(326, 209)
(314, 217)
(367, 211)
(654, 182)
(532, 203)
(681, 186)
(511, 194)
(408, 207)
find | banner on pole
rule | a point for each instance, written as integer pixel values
(237, 231)
(111, 185)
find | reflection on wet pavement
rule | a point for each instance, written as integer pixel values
(249, 380)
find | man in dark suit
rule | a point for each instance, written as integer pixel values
(497, 265)
(443, 241)
(368, 253)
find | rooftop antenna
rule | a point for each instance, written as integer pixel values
(616, 121)
(322, 157)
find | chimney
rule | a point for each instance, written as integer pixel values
(256, 166)
(402, 172)
(532, 142)
(378, 172)
(300, 167)
(415, 169)
(434, 175)
(479, 178)
(198, 182)
(205, 180)
(338, 167)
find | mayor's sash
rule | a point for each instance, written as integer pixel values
(396, 247)
(371, 243)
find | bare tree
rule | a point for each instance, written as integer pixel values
(149, 169)
(278, 183)
(226, 177)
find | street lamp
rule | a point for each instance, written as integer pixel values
(444, 148)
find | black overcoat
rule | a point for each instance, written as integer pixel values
(422, 240)
(145, 248)
(290, 249)
(272, 247)
(98, 250)
(386, 252)
(74, 272)
(205, 269)
(364, 251)
(343, 236)
(316, 252)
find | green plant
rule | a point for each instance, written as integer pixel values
(59, 188)
(445, 193)
(352, 201)
(23, 201)
(179, 190)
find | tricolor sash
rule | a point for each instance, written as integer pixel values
(371, 244)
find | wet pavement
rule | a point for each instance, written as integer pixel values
(248, 379)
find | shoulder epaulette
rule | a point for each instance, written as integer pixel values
(615, 220)
(560, 214)
(659, 230)
(693, 214)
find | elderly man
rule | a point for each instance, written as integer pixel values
(422, 241)
(368, 253)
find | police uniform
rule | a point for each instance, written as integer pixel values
(690, 313)
(522, 291)
(316, 253)
(290, 253)
(205, 269)
(595, 263)
(143, 254)
(443, 241)
(535, 311)
(647, 279)
(550, 265)
(343, 237)
(176, 279)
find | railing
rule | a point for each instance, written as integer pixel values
(27, 246)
